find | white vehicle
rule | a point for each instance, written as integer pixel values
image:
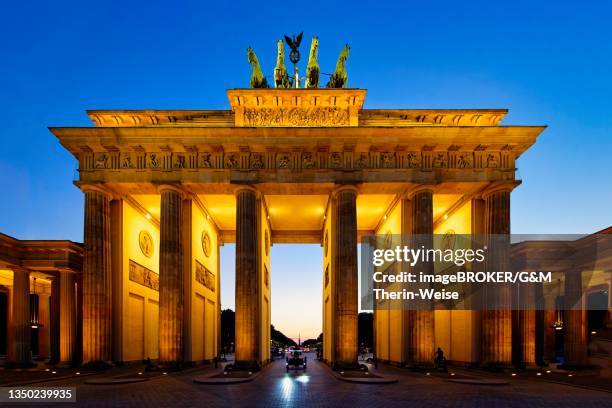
(296, 360)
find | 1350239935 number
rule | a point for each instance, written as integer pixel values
(32, 394)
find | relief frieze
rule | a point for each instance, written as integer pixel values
(143, 276)
(295, 116)
(204, 277)
(308, 160)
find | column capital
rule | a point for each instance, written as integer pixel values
(493, 188)
(177, 188)
(246, 187)
(19, 268)
(423, 188)
(345, 187)
(95, 188)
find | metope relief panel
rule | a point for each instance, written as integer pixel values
(361, 160)
(231, 160)
(460, 160)
(257, 161)
(128, 161)
(179, 161)
(492, 160)
(105, 160)
(154, 161)
(309, 160)
(412, 160)
(386, 160)
(439, 160)
(284, 160)
(335, 160)
(210, 160)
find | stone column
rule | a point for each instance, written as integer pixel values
(527, 333)
(21, 352)
(67, 317)
(420, 318)
(497, 316)
(247, 278)
(345, 267)
(44, 318)
(187, 275)
(549, 335)
(78, 357)
(476, 291)
(97, 278)
(540, 324)
(575, 340)
(171, 277)
(54, 324)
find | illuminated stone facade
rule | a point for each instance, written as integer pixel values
(283, 165)
(165, 188)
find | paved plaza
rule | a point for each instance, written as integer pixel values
(319, 388)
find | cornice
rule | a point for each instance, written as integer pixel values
(285, 101)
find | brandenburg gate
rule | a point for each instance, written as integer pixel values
(165, 188)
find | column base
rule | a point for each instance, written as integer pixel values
(527, 366)
(421, 366)
(66, 364)
(98, 365)
(578, 367)
(346, 366)
(169, 366)
(20, 364)
(497, 366)
(246, 366)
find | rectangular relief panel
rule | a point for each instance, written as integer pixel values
(143, 276)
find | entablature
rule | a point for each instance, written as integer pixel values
(296, 155)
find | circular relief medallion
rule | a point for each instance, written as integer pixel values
(325, 243)
(145, 240)
(266, 242)
(206, 243)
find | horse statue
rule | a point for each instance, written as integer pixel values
(312, 69)
(258, 80)
(339, 78)
(281, 77)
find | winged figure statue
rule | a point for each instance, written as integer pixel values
(294, 43)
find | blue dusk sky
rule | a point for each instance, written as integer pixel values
(549, 63)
